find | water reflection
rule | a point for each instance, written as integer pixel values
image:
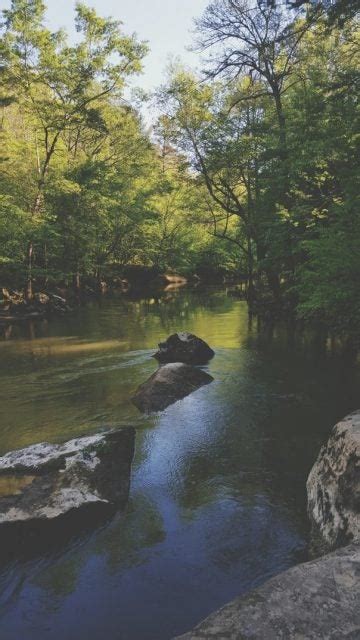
(217, 503)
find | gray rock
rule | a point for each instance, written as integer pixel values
(184, 347)
(57, 299)
(317, 600)
(44, 456)
(167, 385)
(56, 480)
(333, 487)
(41, 298)
(57, 304)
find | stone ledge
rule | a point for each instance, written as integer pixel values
(312, 601)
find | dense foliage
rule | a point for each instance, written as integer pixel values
(272, 129)
(82, 186)
(250, 169)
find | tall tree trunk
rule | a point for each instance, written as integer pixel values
(281, 122)
(38, 202)
(29, 285)
(46, 276)
(30, 248)
(250, 274)
(272, 276)
(283, 149)
(274, 283)
(77, 281)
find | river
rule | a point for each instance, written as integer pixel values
(217, 499)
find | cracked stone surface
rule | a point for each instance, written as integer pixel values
(333, 487)
(60, 479)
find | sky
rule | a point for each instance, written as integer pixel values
(165, 24)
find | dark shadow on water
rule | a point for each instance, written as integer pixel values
(26, 541)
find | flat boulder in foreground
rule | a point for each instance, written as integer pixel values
(313, 601)
(333, 487)
(168, 384)
(48, 481)
(184, 347)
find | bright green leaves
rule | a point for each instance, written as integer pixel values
(61, 108)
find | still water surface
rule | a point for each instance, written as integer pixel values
(217, 500)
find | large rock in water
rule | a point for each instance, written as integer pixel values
(48, 481)
(333, 487)
(168, 384)
(313, 601)
(184, 347)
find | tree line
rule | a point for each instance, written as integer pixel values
(250, 169)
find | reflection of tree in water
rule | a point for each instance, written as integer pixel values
(310, 390)
(231, 460)
(60, 578)
(275, 412)
(140, 314)
(183, 307)
(252, 537)
(130, 538)
(125, 542)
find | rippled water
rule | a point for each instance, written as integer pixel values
(217, 499)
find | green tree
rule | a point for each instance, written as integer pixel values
(61, 86)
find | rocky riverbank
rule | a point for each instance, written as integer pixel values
(133, 281)
(15, 307)
(321, 598)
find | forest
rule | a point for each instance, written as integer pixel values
(179, 320)
(249, 172)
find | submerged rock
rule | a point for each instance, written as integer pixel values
(91, 473)
(168, 384)
(184, 347)
(333, 487)
(315, 600)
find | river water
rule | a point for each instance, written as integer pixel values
(217, 499)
